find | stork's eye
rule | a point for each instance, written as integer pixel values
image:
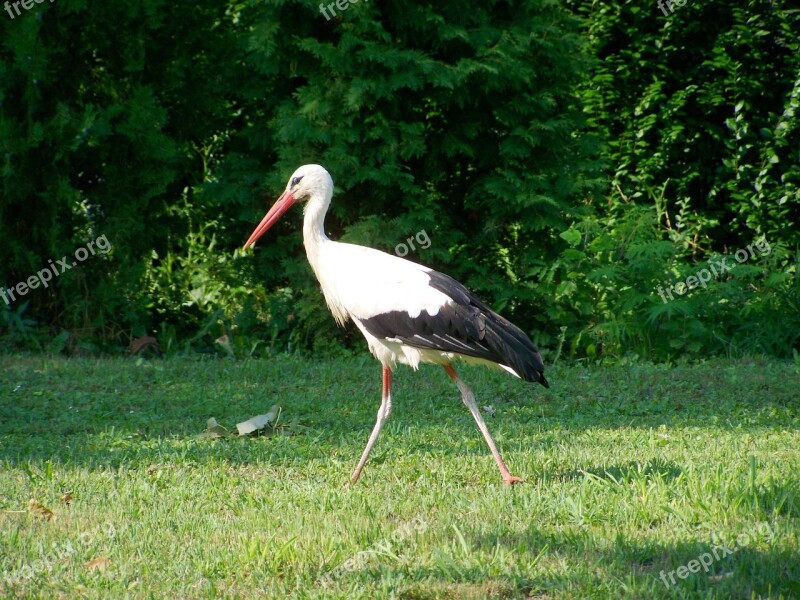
(296, 180)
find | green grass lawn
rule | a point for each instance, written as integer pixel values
(629, 472)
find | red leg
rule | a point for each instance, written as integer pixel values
(469, 400)
(383, 414)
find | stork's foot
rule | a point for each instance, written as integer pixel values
(511, 480)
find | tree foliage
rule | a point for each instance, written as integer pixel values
(102, 116)
(698, 113)
(564, 161)
(701, 105)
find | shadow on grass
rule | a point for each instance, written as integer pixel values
(116, 411)
(642, 570)
(625, 474)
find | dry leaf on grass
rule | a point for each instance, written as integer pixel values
(225, 343)
(215, 430)
(98, 564)
(266, 424)
(260, 421)
(38, 509)
(142, 345)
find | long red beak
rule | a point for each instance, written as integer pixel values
(283, 204)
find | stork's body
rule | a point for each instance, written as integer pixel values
(408, 313)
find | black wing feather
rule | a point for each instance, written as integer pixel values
(467, 327)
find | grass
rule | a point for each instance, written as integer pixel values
(630, 471)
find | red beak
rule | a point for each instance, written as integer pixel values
(283, 204)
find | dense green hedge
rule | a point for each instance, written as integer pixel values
(700, 107)
(563, 160)
(698, 110)
(106, 110)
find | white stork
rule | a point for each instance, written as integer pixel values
(407, 312)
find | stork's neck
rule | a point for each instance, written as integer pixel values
(314, 238)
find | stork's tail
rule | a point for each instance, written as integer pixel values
(515, 349)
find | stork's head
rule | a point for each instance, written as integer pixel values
(307, 183)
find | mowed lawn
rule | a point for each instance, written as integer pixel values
(640, 482)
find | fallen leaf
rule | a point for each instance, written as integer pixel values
(215, 430)
(225, 343)
(38, 509)
(259, 422)
(273, 413)
(98, 564)
(145, 344)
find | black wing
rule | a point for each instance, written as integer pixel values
(467, 326)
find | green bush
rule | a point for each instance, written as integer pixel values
(463, 119)
(614, 292)
(104, 110)
(702, 104)
(563, 159)
(698, 112)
